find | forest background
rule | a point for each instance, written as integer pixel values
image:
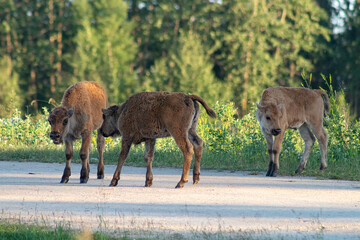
(221, 50)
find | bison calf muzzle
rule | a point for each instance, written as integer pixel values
(276, 132)
(55, 136)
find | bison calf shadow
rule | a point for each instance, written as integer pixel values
(146, 116)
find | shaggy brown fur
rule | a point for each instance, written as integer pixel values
(77, 117)
(150, 115)
(281, 108)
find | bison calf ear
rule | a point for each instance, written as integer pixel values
(113, 109)
(106, 111)
(70, 112)
(260, 107)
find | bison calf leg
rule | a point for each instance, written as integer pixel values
(273, 168)
(149, 157)
(270, 169)
(187, 150)
(84, 156)
(197, 143)
(84, 172)
(100, 145)
(275, 155)
(66, 175)
(309, 141)
(69, 154)
(125, 148)
(322, 137)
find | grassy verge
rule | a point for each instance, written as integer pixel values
(16, 231)
(10, 231)
(229, 143)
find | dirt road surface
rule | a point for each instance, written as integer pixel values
(223, 204)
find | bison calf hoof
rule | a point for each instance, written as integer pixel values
(181, 184)
(196, 179)
(323, 167)
(299, 169)
(84, 180)
(100, 176)
(272, 171)
(66, 175)
(64, 179)
(113, 183)
(272, 174)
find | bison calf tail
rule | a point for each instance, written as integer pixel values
(209, 111)
(325, 98)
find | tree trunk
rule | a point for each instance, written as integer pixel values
(246, 74)
(8, 43)
(9, 46)
(32, 87)
(247, 63)
(282, 20)
(52, 40)
(59, 40)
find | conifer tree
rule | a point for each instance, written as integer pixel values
(10, 98)
(269, 43)
(189, 70)
(105, 48)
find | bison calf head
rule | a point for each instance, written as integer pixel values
(109, 127)
(59, 122)
(270, 117)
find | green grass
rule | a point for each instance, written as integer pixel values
(26, 231)
(229, 143)
(11, 231)
(16, 231)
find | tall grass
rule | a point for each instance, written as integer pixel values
(11, 231)
(230, 143)
(16, 231)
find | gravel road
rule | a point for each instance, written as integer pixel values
(225, 204)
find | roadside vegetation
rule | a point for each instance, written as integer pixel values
(19, 230)
(230, 143)
(15, 231)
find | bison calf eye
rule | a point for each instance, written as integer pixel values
(268, 118)
(65, 122)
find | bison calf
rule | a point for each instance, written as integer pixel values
(150, 115)
(77, 117)
(281, 108)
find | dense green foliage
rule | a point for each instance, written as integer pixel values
(230, 143)
(221, 50)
